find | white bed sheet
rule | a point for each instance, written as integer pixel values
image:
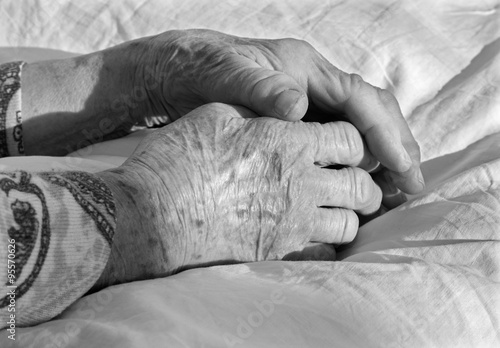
(411, 47)
(426, 274)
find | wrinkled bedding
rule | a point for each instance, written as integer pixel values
(426, 274)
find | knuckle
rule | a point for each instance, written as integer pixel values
(214, 107)
(356, 82)
(302, 43)
(386, 97)
(316, 135)
(302, 46)
(219, 111)
(362, 186)
(349, 224)
(348, 136)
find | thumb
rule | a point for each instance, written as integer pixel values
(266, 92)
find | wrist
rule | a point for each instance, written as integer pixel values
(154, 73)
(69, 103)
(126, 62)
(138, 251)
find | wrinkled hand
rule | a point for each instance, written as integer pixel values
(278, 78)
(219, 186)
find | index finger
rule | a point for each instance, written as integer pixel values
(376, 114)
(337, 143)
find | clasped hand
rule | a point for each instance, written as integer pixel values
(221, 185)
(287, 79)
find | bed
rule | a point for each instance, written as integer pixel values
(426, 274)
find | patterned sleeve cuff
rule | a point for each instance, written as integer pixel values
(11, 131)
(60, 229)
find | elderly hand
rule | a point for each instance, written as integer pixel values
(285, 79)
(277, 78)
(218, 186)
(70, 103)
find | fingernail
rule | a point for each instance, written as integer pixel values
(393, 201)
(388, 185)
(374, 166)
(407, 162)
(391, 189)
(420, 178)
(286, 101)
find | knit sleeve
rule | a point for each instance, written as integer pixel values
(11, 131)
(56, 231)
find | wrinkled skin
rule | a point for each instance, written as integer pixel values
(284, 78)
(220, 186)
